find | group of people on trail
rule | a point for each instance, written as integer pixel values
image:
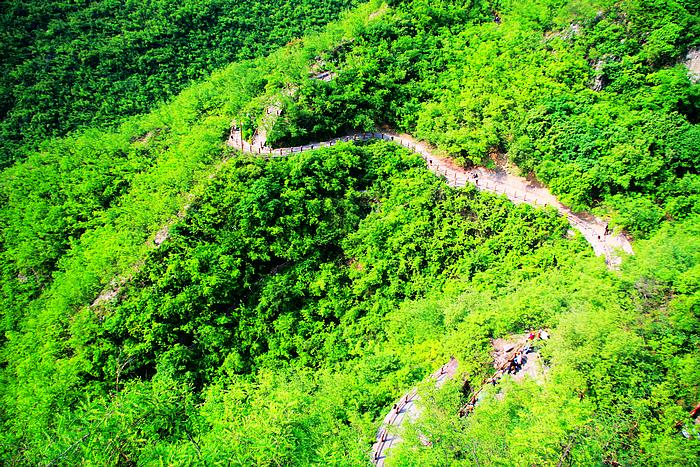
(539, 334)
(520, 358)
(517, 363)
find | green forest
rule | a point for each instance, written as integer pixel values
(169, 299)
(75, 64)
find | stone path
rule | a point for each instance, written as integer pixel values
(406, 409)
(516, 358)
(517, 189)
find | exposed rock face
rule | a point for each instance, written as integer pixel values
(110, 292)
(692, 62)
(598, 78)
(162, 235)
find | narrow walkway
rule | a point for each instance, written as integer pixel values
(388, 434)
(516, 189)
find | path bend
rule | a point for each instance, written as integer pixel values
(516, 189)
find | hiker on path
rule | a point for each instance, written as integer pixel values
(519, 360)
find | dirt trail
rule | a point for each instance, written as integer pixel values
(517, 189)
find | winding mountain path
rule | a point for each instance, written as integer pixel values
(516, 189)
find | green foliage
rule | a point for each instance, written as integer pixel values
(68, 65)
(525, 87)
(123, 184)
(290, 302)
(621, 367)
(280, 265)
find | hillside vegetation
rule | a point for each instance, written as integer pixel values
(169, 300)
(590, 97)
(69, 65)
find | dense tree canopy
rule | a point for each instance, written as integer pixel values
(67, 65)
(167, 299)
(525, 85)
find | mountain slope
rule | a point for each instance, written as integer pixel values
(70, 65)
(269, 312)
